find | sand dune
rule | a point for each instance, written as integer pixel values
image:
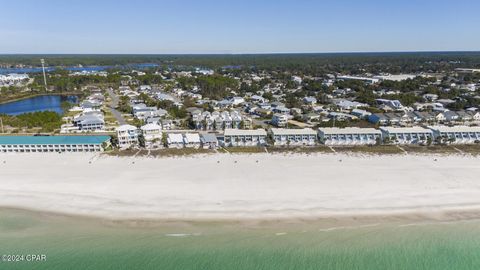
(239, 186)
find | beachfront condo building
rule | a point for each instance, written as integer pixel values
(456, 134)
(42, 144)
(406, 135)
(244, 137)
(293, 137)
(349, 136)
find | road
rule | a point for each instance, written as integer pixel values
(115, 99)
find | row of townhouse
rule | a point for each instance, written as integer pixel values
(400, 135)
(297, 137)
(244, 137)
(220, 120)
(129, 135)
(352, 136)
(406, 135)
(456, 134)
(416, 117)
(43, 144)
(349, 136)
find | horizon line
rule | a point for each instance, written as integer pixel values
(254, 53)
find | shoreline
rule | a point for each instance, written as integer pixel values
(243, 187)
(325, 223)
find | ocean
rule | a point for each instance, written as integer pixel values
(83, 243)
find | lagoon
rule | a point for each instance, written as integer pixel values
(36, 104)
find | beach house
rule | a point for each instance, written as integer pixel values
(279, 120)
(349, 136)
(127, 136)
(89, 121)
(294, 137)
(152, 134)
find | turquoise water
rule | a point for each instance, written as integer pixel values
(73, 243)
(36, 104)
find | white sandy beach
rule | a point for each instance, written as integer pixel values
(239, 186)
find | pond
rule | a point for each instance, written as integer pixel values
(36, 104)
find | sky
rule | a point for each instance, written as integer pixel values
(237, 26)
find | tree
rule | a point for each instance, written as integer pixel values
(164, 139)
(429, 141)
(141, 140)
(124, 105)
(216, 86)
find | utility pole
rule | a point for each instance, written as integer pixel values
(44, 76)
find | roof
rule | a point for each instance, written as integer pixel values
(175, 138)
(245, 132)
(280, 115)
(88, 119)
(359, 111)
(454, 129)
(192, 138)
(53, 139)
(349, 130)
(150, 126)
(126, 128)
(286, 131)
(208, 138)
(405, 130)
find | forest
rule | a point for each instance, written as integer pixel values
(315, 63)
